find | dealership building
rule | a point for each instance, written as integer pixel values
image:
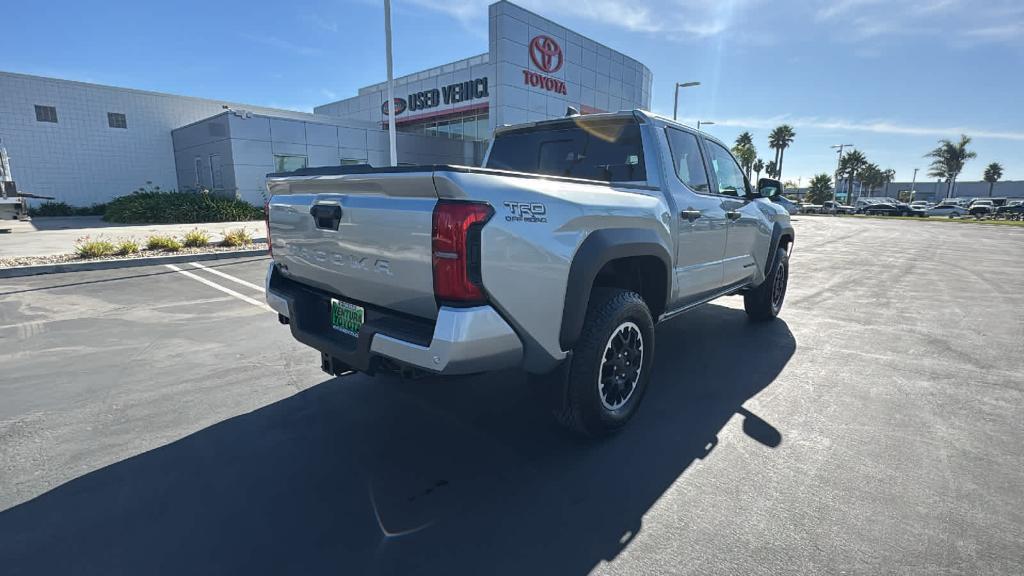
(85, 143)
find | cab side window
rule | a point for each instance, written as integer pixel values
(688, 160)
(730, 178)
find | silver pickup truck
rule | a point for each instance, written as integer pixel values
(558, 256)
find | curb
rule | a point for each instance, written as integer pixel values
(19, 271)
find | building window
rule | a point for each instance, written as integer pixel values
(289, 163)
(473, 127)
(46, 114)
(352, 161)
(117, 120)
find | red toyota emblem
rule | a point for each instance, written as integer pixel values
(399, 107)
(546, 54)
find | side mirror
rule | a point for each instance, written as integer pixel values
(769, 188)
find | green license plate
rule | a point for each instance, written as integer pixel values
(345, 317)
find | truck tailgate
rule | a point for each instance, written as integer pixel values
(364, 237)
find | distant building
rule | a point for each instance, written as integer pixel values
(84, 143)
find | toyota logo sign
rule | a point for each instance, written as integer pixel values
(400, 106)
(546, 54)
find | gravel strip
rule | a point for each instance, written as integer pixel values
(66, 258)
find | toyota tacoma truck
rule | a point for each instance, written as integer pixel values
(557, 257)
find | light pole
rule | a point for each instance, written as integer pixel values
(675, 107)
(839, 162)
(912, 184)
(392, 112)
(705, 122)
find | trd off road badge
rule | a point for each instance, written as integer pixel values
(533, 212)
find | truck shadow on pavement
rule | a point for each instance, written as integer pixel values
(364, 476)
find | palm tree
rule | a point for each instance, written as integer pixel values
(820, 189)
(745, 152)
(851, 164)
(759, 166)
(780, 139)
(746, 155)
(888, 175)
(948, 160)
(993, 172)
(870, 176)
(771, 169)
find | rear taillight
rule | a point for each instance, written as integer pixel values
(456, 250)
(266, 220)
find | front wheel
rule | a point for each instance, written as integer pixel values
(765, 301)
(610, 366)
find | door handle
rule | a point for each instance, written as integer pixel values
(326, 216)
(732, 215)
(690, 215)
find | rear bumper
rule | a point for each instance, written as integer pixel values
(460, 341)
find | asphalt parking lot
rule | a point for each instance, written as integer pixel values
(152, 423)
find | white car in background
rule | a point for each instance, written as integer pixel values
(920, 205)
(789, 205)
(951, 210)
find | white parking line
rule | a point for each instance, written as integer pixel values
(223, 289)
(228, 276)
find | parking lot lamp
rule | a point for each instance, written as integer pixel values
(839, 161)
(912, 184)
(392, 112)
(675, 107)
(705, 122)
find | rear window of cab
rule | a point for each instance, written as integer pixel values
(607, 150)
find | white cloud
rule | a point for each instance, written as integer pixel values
(873, 126)
(281, 44)
(955, 22)
(694, 18)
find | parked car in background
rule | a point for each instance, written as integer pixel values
(833, 207)
(982, 207)
(1012, 210)
(920, 205)
(951, 209)
(808, 208)
(890, 209)
(789, 205)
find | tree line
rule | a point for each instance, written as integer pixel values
(746, 153)
(947, 162)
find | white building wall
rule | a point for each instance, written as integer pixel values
(366, 106)
(246, 145)
(597, 78)
(80, 159)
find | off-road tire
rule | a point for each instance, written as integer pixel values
(765, 302)
(584, 406)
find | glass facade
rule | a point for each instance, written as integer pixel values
(473, 127)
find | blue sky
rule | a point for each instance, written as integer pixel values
(891, 76)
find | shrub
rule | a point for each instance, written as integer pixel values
(237, 237)
(50, 208)
(128, 246)
(155, 206)
(197, 238)
(168, 243)
(88, 248)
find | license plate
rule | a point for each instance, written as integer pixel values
(345, 317)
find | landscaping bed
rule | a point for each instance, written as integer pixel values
(143, 253)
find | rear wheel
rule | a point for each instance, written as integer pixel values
(610, 366)
(765, 301)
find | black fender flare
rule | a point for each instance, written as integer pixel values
(778, 231)
(599, 248)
